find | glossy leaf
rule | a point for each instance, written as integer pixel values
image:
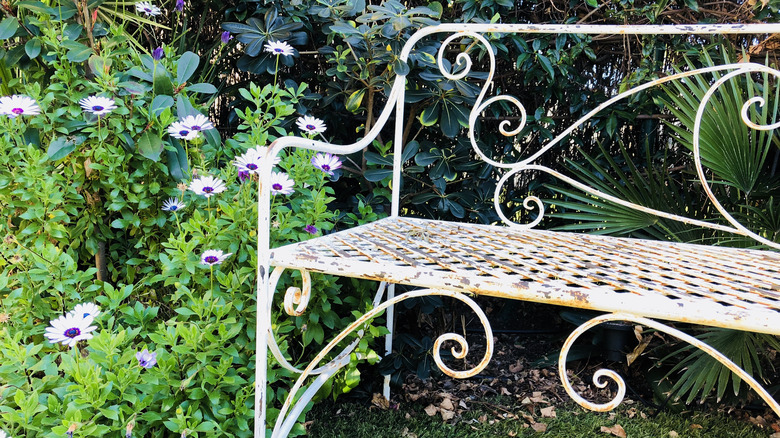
(8, 28)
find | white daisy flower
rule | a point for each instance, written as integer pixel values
(281, 184)
(18, 105)
(312, 125)
(250, 161)
(279, 48)
(197, 123)
(173, 204)
(148, 9)
(178, 130)
(326, 162)
(70, 329)
(97, 105)
(3, 435)
(207, 186)
(86, 310)
(213, 257)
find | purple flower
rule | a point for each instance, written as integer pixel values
(158, 53)
(226, 37)
(179, 5)
(213, 257)
(146, 359)
(311, 229)
(326, 162)
(243, 175)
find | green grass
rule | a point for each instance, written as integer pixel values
(338, 420)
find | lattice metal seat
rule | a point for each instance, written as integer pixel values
(701, 284)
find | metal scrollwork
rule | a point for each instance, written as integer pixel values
(747, 68)
(295, 303)
(527, 164)
(296, 299)
(294, 404)
(600, 375)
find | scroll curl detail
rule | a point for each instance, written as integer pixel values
(297, 299)
(598, 377)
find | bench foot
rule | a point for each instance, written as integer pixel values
(600, 377)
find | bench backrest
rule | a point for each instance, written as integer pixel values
(479, 34)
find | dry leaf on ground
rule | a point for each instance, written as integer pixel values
(380, 401)
(447, 415)
(539, 427)
(406, 434)
(431, 410)
(616, 430)
(548, 412)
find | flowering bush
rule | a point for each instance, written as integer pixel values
(127, 270)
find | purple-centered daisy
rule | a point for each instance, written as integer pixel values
(311, 229)
(250, 161)
(213, 257)
(70, 329)
(148, 9)
(97, 105)
(326, 162)
(173, 204)
(146, 359)
(18, 105)
(197, 123)
(178, 130)
(281, 184)
(279, 48)
(311, 125)
(86, 310)
(207, 186)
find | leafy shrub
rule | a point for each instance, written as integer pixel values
(107, 205)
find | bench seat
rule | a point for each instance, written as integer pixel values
(700, 284)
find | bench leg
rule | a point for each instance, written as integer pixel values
(598, 376)
(261, 356)
(389, 338)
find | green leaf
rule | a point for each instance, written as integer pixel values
(202, 88)
(430, 115)
(547, 66)
(162, 82)
(160, 103)
(8, 28)
(33, 48)
(592, 3)
(354, 100)
(188, 63)
(375, 175)
(79, 53)
(60, 147)
(150, 146)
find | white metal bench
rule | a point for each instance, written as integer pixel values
(630, 279)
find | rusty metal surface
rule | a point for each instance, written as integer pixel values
(708, 285)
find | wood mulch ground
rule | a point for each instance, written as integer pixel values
(515, 377)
